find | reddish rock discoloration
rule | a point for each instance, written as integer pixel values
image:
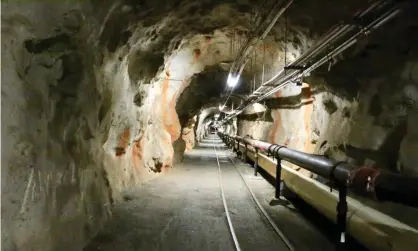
(123, 143)
(137, 153)
(307, 114)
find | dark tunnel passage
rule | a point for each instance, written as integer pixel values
(112, 115)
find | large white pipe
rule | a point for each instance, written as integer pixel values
(373, 229)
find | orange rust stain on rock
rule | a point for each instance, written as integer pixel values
(171, 122)
(275, 128)
(123, 143)
(197, 54)
(277, 94)
(261, 47)
(137, 153)
(276, 123)
(189, 139)
(308, 109)
(165, 168)
(286, 142)
(169, 115)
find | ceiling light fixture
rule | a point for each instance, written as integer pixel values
(232, 80)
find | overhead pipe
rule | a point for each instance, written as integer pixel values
(336, 51)
(256, 38)
(263, 35)
(242, 58)
(331, 36)
(290, 78)
(334, 33)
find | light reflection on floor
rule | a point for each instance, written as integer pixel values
(205, 149)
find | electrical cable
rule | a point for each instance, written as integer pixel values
(332, 35)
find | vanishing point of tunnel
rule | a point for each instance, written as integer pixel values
(206, 125)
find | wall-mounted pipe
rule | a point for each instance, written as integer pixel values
(372, 182)
(375, 230)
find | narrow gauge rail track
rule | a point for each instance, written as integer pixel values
(258, 205)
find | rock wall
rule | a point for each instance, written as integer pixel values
(55, 192)
(378, 127)
(361, 108)
(89, 92)
(363, 111)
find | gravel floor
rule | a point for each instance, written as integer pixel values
(183, 210)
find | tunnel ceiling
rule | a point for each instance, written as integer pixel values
(100, 96)
(185, 41)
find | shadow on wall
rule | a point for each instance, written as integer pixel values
(385, 157)
(55, 193)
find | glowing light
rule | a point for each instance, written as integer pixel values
(232, 81)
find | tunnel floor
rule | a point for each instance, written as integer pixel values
(183, 210)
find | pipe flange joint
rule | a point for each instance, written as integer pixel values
(276, 151)
(269, 152)
(331, 174)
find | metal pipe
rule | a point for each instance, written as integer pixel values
(256, 163)
(386, 186)
(375, 230)
(242, 57)
(320, 165)
(266, 31)
(264, 59)
(278, 178)
(333, 35)
(374, 25)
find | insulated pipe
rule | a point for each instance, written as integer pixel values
(338, 171)
(385, 185)
(375, 230)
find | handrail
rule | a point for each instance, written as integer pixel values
(338, 171)
(375, 230)
(403, 189)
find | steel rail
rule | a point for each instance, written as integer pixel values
(228, 216)
(388, 186)
(263, 211)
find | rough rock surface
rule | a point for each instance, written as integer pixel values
(100, 96)
(88, 105)
(361, 111)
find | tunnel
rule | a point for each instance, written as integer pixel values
(209, 125)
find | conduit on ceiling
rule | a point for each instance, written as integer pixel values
(335, 41)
